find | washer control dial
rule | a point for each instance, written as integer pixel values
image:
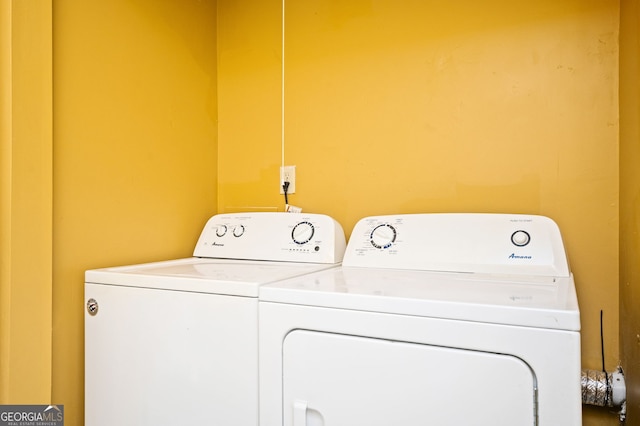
(238, 231)
(302, 232)
(221, 230)
(383, 236)
(520, 238)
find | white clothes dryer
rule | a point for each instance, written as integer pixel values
(432, 319)
(176, 342)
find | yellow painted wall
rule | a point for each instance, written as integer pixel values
(429, 106)
(25, 201)
(134, 171)
(630, 202)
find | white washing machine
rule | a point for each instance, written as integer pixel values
(176, 342)
(432, 319)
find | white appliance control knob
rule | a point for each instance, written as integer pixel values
(221, 230)
(520, 238)
(302, 232)
(383, 236)
(238, 231)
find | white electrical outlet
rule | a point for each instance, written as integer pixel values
(288, 174)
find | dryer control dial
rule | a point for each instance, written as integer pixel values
(302, 232)
(383, 236)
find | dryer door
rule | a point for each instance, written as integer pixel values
(332, 379)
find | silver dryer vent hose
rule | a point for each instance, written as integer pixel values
(603, 389)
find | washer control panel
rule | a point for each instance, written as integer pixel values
(459, 242)
(288, 237)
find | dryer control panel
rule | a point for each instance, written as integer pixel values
(460, 242)
(287, 237)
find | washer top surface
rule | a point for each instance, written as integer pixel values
(238, 252)
(203, 275)
(461, 266)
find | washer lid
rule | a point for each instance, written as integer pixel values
(215, 276)
(544, 302)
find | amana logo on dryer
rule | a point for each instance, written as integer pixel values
(515, 256)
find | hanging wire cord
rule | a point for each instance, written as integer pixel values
(285, 189)
(606, 375)
(282, 141)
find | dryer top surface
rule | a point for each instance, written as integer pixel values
(544, 302)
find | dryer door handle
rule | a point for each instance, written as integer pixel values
(300, 413)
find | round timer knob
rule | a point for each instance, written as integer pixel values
(221, 230)
(238, 231)
(383, 236)
(302, 233)
(520, 238)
